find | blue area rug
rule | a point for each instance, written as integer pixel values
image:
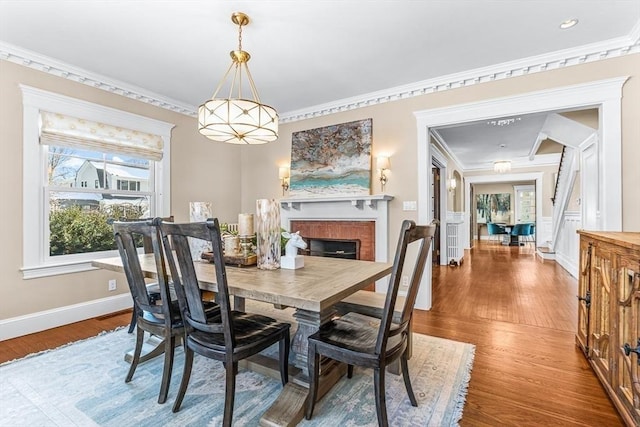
(82, 384)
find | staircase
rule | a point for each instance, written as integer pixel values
(564, 185)
(572, 135)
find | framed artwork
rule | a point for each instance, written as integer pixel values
(493, 208)
(332, 160)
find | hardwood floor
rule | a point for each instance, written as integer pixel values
(520, 313)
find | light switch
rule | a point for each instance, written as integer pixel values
(410, 205)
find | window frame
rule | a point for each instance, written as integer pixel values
(36, 259)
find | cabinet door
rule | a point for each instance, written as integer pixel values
(599, 322)
(584, 295)
(627, 378)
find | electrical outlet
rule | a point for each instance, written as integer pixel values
(405, 282)
(410, 205)
(112, 285)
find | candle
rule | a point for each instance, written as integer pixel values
(245, 224)
(230, 245)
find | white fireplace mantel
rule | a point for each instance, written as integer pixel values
(344, 208)
(356, 201)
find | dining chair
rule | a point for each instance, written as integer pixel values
(358, 339)
(495, 230)
(153, 288)
(236, 335)
(159, 317)
(521, 230)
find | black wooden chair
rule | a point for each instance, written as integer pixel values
(357, 339)
(163, 319)
(153, 288)
(237, 335)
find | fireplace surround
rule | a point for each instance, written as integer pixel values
(351, 214)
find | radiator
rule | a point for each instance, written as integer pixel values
(455, 251)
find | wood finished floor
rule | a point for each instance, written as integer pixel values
(518, 311)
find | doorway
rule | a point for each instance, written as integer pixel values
(603, 94)
(435, 179)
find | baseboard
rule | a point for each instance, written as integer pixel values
(42, 320)
(545, 253)
(567, 264)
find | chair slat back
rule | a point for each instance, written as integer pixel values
(126, 234)
(175, 238)
(409, 233)
(146, 241)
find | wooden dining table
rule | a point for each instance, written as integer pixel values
(312, 291)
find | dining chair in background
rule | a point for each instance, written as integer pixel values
(496, 231)
(163, 319)
(236, 335)
(358, 339)
(523, 231)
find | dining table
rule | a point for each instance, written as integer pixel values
(312, 291)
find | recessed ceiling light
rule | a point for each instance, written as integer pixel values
(565, 25)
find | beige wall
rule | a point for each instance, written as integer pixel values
(200, 171)
(234, 177)
(394, 132)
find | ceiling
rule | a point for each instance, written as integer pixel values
(304, 52)
(477, 145)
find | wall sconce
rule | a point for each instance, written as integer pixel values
(382, 164)
(452, 185)
(284, 175)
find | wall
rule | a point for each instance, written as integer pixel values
(200, 171)
(234, 177)
(394, 132)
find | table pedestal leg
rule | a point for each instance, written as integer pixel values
(288, 409)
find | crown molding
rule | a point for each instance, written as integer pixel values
(61, 69)
(559, 59)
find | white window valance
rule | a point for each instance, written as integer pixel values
(68, 131)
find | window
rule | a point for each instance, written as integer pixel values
(128, 185)
(65, 220)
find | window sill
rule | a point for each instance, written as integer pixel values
(35, 272)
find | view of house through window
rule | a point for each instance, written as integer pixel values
(80, 214)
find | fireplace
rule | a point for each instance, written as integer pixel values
(333, 248)
(317, 231)
(343, 218)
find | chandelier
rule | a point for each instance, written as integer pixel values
(237, 120)
(502, 166)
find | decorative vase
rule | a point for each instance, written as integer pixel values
(268, 234)
(199, 212)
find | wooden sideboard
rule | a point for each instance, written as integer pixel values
(609, 315)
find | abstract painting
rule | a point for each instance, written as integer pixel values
(332, 160)
(493, 208)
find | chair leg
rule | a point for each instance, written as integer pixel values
(169, 345)
(381, 404)
(349, 371)
(313, 365)
(230, 393)
(134, 318)
(136, 354)
(283, 348)
(407, 380)
(186, 374)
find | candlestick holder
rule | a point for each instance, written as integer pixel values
(246, 244)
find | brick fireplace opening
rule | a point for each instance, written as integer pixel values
(361, 232)
(364, 231)
(362, 218)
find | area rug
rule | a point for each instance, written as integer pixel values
(82, 384)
